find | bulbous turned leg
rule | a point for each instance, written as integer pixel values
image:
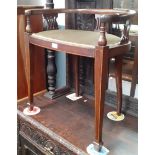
(51, 73)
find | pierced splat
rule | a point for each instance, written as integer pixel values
(51, 21)
(98, 23)
(125, 34)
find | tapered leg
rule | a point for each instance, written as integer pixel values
(101, 70)
(118, 72)
(30, 64)
(108, 74)
(134, 72)
(76, 76)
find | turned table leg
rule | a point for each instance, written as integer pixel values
(101, 70)
(118, 72)
(51, 73)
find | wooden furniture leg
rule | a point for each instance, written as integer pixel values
(51, 73)
(76, 76)
(118, 72)
(108, 74)
(51, 65)
(30, 65)
(82, 73)
(135, 72)
(101, 70)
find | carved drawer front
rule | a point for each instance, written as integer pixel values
(34, 142)
(28, 147)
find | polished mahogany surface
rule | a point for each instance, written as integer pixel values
(39, 55)
(74, 121)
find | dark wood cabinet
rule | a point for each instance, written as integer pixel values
(67, 128)
(34, 138)
(39, 71)
(27, 147)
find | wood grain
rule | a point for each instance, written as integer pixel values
(74, 122)
(39, 60)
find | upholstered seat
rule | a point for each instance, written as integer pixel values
(79, 38)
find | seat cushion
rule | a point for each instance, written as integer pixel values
(79, 38)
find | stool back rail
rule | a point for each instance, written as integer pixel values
(101, 53)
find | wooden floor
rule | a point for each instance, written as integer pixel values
(74, 121)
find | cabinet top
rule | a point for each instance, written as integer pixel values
(21, 8)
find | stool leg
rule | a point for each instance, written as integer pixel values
(101, 70)
(76, 76)
(30, 62)
(134, 72)
(108, 74)
(118, 72)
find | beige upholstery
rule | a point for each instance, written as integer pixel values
(86, 39)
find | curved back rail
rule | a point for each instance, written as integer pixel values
(103, 16)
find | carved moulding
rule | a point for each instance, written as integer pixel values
(37, 137)
(45, 138)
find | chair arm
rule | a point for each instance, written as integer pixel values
(104, 16)
(111, 14)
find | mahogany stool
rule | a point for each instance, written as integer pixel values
(99, 46)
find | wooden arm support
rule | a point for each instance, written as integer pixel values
(104, 16)
(116, 14)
